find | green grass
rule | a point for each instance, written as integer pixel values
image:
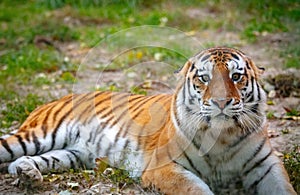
(292, 165)
(28, 60)
(268, 16)
(291, 55)
(17, 108)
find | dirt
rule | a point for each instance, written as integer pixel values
(284, 132)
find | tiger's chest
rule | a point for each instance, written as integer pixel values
(217, 158)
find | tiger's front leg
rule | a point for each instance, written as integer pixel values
(31, 168)
(174, 179)
(268, 176)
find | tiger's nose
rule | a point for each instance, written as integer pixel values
(222, 102)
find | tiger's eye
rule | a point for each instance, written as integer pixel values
(236, 77)
(204, 78)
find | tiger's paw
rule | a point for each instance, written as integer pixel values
(28, 174)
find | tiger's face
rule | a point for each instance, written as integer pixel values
(221, 85)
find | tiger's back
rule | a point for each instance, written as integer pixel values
(113, 125)
(199, 140)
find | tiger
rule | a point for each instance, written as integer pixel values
(208, 135)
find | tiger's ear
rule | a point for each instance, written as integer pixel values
(261, 70)
(257, 70)
(184, 69)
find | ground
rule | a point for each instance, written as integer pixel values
(82, 65)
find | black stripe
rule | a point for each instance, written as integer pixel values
(73, 152)
(246, 84)
(109, 109)
(60, 108)
(36, 165)
(64, 116)
(91, 136)
(87, 120)
(192, 67)
(117, 137)
(44, 129)
(89, 106)
(120, 115)
(188, 86)
(181, 165)
(129, 122)
(54, 158)
(100, 112)
(257, 150)
(192, 164)
(23, 145)
(196, 145)
(6, 146)
(205, 57)
(53, 161)
(241, 138)
(249, 97)
(262, 177)
(124, 152)
(46, 160)
(130, 107)
(252, 84)
(254, 108)
(97, 130)
(65, 143)
(183, 90)
(57, 127)
(235, 56)
(258, 90)
(99, 142)
(94, 132)
(247, 64)
(108, 120)
(126, 144)
(72, 164)
(138, 106)
(258, 163)
(36, 142)
(208, 160)
(44, 123)
(143, 101)
(108, 149)
(77, 135)
(104, 100)
(27, 137)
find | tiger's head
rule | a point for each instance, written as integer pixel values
(220, 87)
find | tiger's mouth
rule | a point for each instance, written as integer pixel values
(223, 116)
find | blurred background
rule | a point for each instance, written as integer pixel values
(43, 44)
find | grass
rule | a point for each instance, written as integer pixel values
(23, 63)
(17, 108)
(292, 165)
(291, 55)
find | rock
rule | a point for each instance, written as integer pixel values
(272, 94)
(268, 87)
